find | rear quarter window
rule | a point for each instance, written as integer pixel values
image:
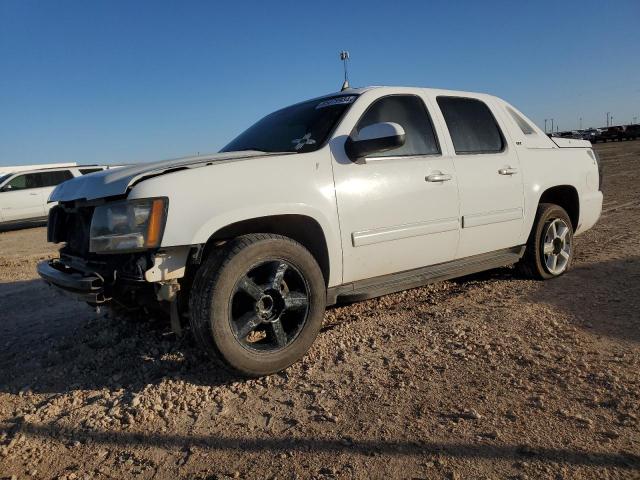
(521, 122)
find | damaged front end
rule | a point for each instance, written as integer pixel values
(111, 252)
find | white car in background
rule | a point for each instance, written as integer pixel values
(24, 195)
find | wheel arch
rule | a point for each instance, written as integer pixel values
(565, 196)
(302, 228)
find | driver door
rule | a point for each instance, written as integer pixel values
(392, 216)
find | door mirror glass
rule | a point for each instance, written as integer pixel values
(375, 138)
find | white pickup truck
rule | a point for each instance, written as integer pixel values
(336, 199)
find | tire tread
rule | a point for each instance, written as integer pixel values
(204, 289)
(528, 266)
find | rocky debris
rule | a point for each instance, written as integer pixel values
(511, 415)
(579, 419)
(468, 414)
(537, 401)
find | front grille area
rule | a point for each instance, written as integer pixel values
(121, 274)
(70, 225)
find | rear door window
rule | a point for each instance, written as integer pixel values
(472, 126)
(409, 112)
(51, 179)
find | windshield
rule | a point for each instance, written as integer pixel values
(300, 128)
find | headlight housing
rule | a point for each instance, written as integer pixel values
(128, 226)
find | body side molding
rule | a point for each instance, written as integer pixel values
(488, 218)
(378, 235)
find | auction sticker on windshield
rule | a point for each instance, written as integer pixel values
(337, 101)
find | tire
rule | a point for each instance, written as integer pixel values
(257, 305)
(552, 223)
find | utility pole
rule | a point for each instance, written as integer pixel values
(635, 119)
(552, 125)
(545, 125)
(612, 120)
(580, 124)
(608, 118)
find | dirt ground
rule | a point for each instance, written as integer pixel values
(489, 376)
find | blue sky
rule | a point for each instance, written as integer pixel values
(127, 81)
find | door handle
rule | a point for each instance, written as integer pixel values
(438, 177)
(508, 171)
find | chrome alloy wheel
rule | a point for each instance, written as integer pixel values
(269, 306)
(556, 246)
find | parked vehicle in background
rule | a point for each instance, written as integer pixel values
(595, 135)
(589, 134)
(632, 132)
(599, 135)
(24, 194)
(337, 199)
(5, 169)
(612, 134)
(570, 134)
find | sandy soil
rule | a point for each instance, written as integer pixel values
(489, 376)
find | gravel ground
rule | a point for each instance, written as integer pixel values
(489, 376)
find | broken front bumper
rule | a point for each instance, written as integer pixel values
(84, 286)
(122, 277)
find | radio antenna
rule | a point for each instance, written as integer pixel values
(344, 56)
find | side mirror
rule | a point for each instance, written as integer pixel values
(375, 138)
(6, 188)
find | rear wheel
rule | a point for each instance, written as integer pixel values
(258, 304)
(549, 250)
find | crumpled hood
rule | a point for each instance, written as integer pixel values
(116, 181)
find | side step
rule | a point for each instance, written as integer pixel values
(396, 282)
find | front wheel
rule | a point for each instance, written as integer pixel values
(258, 304)
(549, 250)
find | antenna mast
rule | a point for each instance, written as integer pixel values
(344, 56)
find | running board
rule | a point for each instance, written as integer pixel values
(396, 282)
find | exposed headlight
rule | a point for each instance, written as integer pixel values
(128, 225)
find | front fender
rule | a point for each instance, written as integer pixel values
(229, 217)
(204, 200)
